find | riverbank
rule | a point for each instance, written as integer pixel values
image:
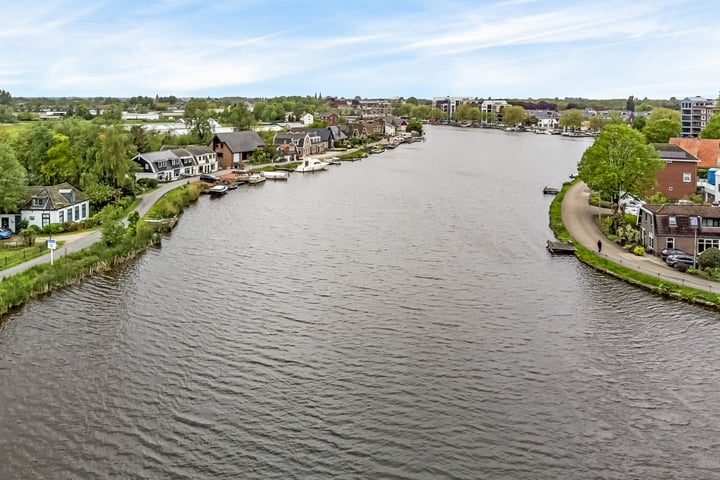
(103, 254)
(571, 219)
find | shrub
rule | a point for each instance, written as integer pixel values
(681, 267)
(53, 228)
(709, 258)
(148, 182)
(639, 250)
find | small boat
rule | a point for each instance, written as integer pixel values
(276, 175)
(311, 165)
(218, 189)
(335, 161)
(256, 178)
(551, 191)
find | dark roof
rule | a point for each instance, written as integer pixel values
(55, 197)
(682, 214)
(244, 141)
(672, 152)
(199, 149)
(668, 209)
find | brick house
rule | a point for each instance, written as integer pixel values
(679, 177)
(233, 148)
(692, 228)
(707, 150)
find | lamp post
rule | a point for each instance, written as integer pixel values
(694, 223)
(448, 107)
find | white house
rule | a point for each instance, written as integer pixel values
(307, 119)
(55, 204)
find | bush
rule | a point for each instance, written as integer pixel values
(148, 182)
(681, 267)
(53, 228)
(709, 258)
(639, 250)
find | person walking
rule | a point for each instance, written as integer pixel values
(599, 246)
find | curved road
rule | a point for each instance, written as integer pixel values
(577, 215)
(79, 241)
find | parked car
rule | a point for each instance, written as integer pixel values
(672, 251)
(5, 233)
(674, 260)
(209, 178)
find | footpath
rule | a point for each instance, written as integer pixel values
(577, 215)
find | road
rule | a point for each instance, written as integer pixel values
(577, 215)
(78, 241)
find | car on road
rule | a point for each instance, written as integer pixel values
(5, 233)
(207, 178)
(675, 260)
(672, 251)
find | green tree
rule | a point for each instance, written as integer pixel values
(712, 128)
(709, 258)
(7, 115)
(5, 97)
(660, 131)
(437, 114)
(639, 123)
(421, 111)
(630, 104)
(113, 157)
(415, 126)
(660, 113)
(112, 232)
(13, 180)
(620, 161)
(513, 115)
(596, 123)
(238, 116)
(197, 118)
(61, 166)
(412, 101)
(31, 150)
(572, 118)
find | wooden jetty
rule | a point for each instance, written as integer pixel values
(550, 191)
(560, 248)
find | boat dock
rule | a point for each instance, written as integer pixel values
(560, 248)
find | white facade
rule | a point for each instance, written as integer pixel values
(307, 119)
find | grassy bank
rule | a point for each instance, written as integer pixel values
(101, 256)
(655, 285)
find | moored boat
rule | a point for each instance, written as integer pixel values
(311, 165)
(256, 178)
(218, 189)
(276, 175)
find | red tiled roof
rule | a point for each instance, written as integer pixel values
(708, 151)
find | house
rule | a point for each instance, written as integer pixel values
(330, 118)
(163, 166)
(679, 177)
(307, 118)
(299, 140)
(233, 148)
(707, 150)
(61, 203)
(692, 228)
(205, 159)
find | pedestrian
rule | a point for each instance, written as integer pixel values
(599, 246)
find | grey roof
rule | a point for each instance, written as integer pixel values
(199, 149)
(158, 156)
(241, 141)
(55, 197)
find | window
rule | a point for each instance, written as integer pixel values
(687, 177)
(38, 202)
(670, 242)
(84, 210)
(69, 215)
(705, 243)
(672, 220)
(710, 222)
(77, 212)
(61, 216)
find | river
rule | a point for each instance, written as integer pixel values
(392, 318)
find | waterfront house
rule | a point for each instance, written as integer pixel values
(679, 177)
(204, 157)
(692, 228)
(163, 166)
(233, 148)
(54, 204)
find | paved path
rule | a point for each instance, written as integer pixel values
(78, 241)
(577, 215)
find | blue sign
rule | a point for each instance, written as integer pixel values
(52, 245)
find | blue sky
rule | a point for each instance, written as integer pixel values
(252, 48)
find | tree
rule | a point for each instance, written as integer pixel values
(13, 180)
(7, 115)
(712, 128)
(238, 116)
(630, 104)
(596, 123)
(639, 123)
(61, 166)
(197, 118)
(661, 131)
(5, 97)
(412, 101)
(620, 161)
(513, 115)
(659, 113)
(31, 150)
(113, 156)
(572, 118)
(415, 126)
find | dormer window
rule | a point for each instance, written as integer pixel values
(672, 220)
(67, 194)
(38, 201)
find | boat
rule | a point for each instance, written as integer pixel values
(551, 191)
(311, 165)
(276, 175)
(218, 189)
(256, 178)
(335, 161)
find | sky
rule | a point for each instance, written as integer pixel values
(373, 49)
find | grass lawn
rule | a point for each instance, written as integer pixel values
(11, 256)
